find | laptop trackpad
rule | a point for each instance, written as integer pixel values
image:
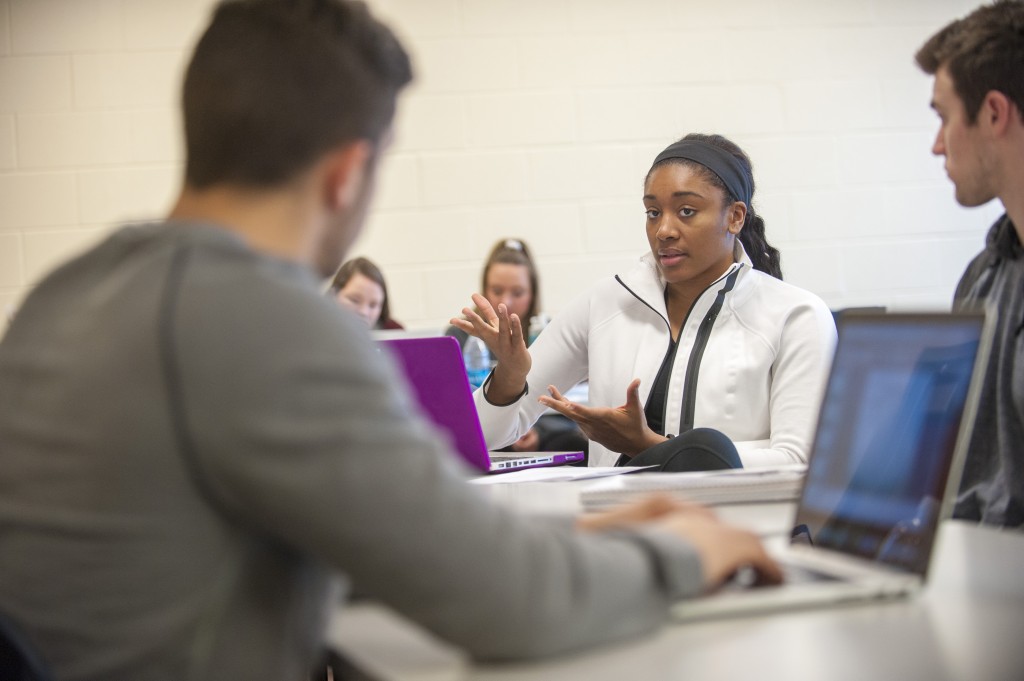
(746, 578)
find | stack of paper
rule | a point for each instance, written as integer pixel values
(735, 486)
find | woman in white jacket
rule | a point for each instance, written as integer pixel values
(721, 363)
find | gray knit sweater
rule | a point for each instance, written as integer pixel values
(198, 447)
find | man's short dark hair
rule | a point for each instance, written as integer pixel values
(982, 52)
(275, 84)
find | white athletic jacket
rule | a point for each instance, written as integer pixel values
(757, 368)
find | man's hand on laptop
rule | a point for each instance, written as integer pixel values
(724, 549)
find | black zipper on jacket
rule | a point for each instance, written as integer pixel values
(623, 285)
(689, 404)
(697, 352)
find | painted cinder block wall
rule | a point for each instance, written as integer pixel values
(529, 118)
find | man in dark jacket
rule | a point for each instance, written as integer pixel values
(978, 65)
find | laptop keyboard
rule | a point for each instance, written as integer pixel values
(795, 574)
(746, 577)
(505, 457)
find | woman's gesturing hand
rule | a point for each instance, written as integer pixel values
(503, 334)
(623, 429)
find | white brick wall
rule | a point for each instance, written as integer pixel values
(5, 33)
(63, 26)
(7, 161)
(35, 83)
(11, 269)
(529, 118)
(127, 80)
(33, 200)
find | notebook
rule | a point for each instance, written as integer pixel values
(884, 468)
(434, 369)
(730, 486)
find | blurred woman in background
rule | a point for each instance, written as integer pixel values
(359, 285)
(509, 277)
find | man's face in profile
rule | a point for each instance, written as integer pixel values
(961, 143)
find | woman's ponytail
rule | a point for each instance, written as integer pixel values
(763, 255)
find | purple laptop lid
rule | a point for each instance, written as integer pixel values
(433, 366)
(434, 369)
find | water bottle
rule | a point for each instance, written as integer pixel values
(478, 361)
(537, 324)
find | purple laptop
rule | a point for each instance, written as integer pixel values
(434, 369)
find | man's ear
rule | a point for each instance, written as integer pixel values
(997, 111)
(345, 171)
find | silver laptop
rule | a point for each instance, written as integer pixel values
(884, 468)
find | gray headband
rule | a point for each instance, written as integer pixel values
(719, 161)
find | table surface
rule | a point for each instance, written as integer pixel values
(966, 625)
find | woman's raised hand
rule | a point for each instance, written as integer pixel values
(503, 334)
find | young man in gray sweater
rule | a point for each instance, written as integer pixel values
(199, 450)
(978, 64)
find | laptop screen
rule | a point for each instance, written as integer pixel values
(436, 376)
(887, 434)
